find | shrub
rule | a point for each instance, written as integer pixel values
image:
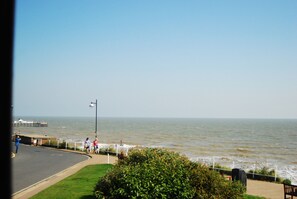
(50, 143)
(264, 171)
(62, 144)
(210, 184)
(159, 173)
(287, 181)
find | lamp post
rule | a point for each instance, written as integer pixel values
(92, 105)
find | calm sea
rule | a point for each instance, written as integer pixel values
(241, 143)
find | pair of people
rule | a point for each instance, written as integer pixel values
(88, 145)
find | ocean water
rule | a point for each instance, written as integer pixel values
(236, 143)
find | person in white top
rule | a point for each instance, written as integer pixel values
(88, 145)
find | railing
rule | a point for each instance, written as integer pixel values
(278, 175)
(113, 149)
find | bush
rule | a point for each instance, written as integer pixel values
(287, 181)
(159, 173)
(210, 184)
(264, 171)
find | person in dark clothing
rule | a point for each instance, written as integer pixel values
(17, 143)
(121, 155)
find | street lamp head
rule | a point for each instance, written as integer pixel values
(92, 104)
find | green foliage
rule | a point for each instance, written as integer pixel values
(287, 181)
(210, 184)
(62, 144)
(159, 173)
(264, 171)
(218, 166)
(109, 150)
(246, 196)
(50, 143)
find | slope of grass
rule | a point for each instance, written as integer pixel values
(81, 184)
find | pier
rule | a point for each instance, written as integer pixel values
(23, 123)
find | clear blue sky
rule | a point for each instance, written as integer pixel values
(152, 58)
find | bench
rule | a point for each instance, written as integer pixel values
(290, 190)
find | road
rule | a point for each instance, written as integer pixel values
(35, 163)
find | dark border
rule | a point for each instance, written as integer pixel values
(7, 8)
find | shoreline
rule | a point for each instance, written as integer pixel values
(115, 149)
(248, 144)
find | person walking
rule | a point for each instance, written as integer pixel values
(95, 145)
(88, 145)
(17, 143)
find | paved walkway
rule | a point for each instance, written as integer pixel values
(268, 190)
(258, 188)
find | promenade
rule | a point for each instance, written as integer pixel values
(258, 188)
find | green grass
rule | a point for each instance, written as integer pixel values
(80, 185)
(246, 196)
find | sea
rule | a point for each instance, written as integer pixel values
(248, 144)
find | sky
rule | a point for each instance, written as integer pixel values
(152, 58)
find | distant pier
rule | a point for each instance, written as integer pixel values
(23, 123)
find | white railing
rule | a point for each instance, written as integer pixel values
(284, 172)
(280, 171)
(79, 146)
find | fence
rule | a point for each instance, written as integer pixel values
(113, 149)
(252, 170)
(259, 171)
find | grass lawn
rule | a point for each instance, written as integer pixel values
(252, 197)
(81, 184)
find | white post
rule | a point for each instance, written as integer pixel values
(117, 150)
(213, 163)
(127, 151)
(254, 171)
(275, 173)
(108, 158)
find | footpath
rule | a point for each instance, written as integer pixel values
(267, 190)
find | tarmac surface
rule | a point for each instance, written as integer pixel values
(267, 190)
(35, 163)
